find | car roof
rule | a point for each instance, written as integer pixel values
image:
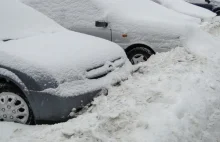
(21, 21)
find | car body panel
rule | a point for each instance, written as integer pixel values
(52, 109)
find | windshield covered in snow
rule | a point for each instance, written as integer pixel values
(22, 21)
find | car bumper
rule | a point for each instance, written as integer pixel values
(49, 108)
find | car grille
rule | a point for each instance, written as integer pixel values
(104, 69)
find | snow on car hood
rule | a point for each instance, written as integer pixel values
(64, 55)
(21, 21)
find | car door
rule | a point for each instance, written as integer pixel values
(102, 32)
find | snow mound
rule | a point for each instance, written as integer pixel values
(172, 97)
(187, 8)
(212, 27)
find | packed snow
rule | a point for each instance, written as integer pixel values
(187, 8)
(174, 97)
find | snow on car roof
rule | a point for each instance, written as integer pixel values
(21, 21)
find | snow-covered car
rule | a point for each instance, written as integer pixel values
(141, 27)
(186, 8)
(212, 5)
(47, 71)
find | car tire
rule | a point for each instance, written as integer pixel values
(218, 13)
(139, 54)
(14, 107)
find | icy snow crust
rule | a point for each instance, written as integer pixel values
(174, 97)
(143, 20)
(187, 8)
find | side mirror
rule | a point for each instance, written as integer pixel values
(101, 24)
(208, 1)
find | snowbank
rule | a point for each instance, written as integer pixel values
(212, 27)
(173, 97)
(187, 8)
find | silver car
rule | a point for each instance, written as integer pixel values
(140, 27)
(46, 71)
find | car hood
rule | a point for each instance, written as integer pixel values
(66, 56)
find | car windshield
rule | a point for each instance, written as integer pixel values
(22, 21)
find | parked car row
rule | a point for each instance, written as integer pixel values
(212, 5)
(47, 70)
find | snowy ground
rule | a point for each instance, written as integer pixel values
(174, 97)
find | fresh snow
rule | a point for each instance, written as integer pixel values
(143, 21)
(19, 21)
(174, 97)
(186, 8)
(58, 56)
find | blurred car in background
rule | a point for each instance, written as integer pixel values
(187, 8)
(212, 5)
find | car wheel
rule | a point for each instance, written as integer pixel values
(14, 108)
(139, 54)
(218, 13)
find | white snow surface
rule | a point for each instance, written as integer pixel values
(59, 55)
(187, 8)
(19, 21)
(174, 97)
(143, 20)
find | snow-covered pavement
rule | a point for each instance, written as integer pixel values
(174, 97)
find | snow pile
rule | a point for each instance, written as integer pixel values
(187, 8)
(212, 27)
(173, 97)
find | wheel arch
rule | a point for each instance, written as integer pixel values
(12, 80)
(16, 83)
(129, 48)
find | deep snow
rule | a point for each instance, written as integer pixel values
(174, 97)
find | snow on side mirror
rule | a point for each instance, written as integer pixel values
(101, 24)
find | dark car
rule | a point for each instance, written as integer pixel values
(47, 71)
(211, 5)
